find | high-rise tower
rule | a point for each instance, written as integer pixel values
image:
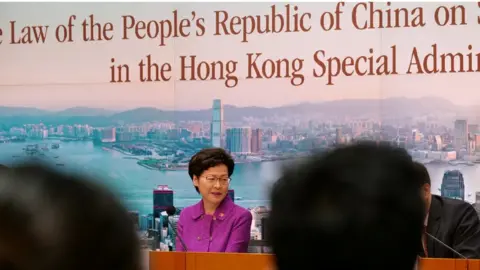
(162, 199)
(460, 134)
(256, 144)
(217, 129)
(239, 140)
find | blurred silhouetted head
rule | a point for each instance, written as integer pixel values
(355, 207)
(54, 221)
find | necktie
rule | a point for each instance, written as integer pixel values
(424, 241)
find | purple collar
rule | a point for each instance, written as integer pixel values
(225, 208)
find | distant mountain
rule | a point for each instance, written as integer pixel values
(10, 116)
(84, 111)
(142, 115)
(391, 107)
(15, 111)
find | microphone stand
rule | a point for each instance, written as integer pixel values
(445, 245)
(176, 234)
(449, 248)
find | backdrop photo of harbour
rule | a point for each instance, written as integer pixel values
(134, 184)
(132, 152)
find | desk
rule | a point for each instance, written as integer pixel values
(167, 260)
(230, 261)
(449, 264)
(247, 261)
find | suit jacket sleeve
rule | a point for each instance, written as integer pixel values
(467, 235)
(240, 234)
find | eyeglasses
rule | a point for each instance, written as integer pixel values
(213, 179)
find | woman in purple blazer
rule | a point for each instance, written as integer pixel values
(215, 224)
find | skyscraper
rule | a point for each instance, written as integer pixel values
(162, 199)
(256, 140)
(239, 140)
(338, 136)
(217, 129)
(437, 143)
(460, 134)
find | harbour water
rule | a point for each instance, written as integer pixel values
(134, 183)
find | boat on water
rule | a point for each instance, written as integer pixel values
(55, 146)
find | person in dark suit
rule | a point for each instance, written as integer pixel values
(454, 222)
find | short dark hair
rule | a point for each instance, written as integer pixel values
(53, 220)
(423, 174)
(355, 207)
(207, 158)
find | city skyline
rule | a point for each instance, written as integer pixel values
(166, 147)
(436, 109)
(110, 110)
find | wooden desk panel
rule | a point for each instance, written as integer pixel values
(440, 264)
(230, 261)
(449, 264)
(235, 261)
(473, 264)
(167, 260)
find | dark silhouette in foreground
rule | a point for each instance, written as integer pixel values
(54, 221)
(355, 207)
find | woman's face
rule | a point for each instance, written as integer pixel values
(213, 184)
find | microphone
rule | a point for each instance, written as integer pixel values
(447, 246)
(171, 210)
